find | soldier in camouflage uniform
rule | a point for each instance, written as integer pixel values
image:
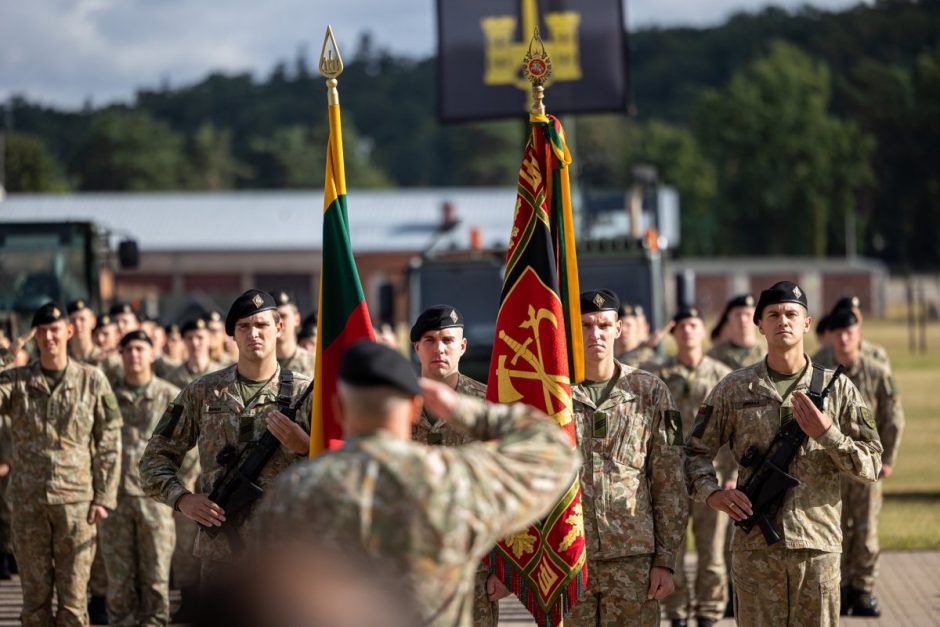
(125, 320)
(634, 346)
(82, 345)
(289, 354)
(137, 539)
(825, 356)
(233, 406)
(794, 581)
(173, 346)
(217, 340)
(438, 341)
(740, 346)
(307, 336)
(432, 513)
(66, 433)
(635, 504)
(690, 375)
(198, 363)
(861, 503)
(106, 334)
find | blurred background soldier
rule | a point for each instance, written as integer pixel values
(861, 503)
(875, 352)
(162, 363)
(125, 320)
(289, 354)
(82, 345)
(794, 581)
(66, 430)
(635, 506)
(431, 513)
(173, 346)
(217, 340)
(195, 335)
(739, 346)
(307, 336)
(438, 341)
(230, 408)
(137, 538)
(106, 333)
(690, 376)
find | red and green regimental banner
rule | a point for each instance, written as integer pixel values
(537, 355)
(343, 317)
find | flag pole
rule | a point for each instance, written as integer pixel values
(537, 68)
(331, 66)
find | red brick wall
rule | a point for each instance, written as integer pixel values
(712, 291)
(835, 286)
(760, 282)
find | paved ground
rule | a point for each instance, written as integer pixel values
(909, 589)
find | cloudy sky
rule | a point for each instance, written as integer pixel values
(66, 52)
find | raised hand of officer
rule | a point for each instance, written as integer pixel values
(732, 502)
(661, 585)
(288, 432)
(813, 422)
(198, 507)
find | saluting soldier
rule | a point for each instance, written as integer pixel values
(861, 503)
(289, 354)
(431, 513)
(635, 505)
(739, 346)
(876, 352)
(438, 341)
(690, 376)
(229, 408)
(82, 345)
(796, 580)
(66, 437)
(137, 538)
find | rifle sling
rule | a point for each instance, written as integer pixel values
(816, 382)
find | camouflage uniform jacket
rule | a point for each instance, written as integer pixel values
(877, 388)
(746, 410)
(181, 376)
(826, 357)
(66, 441)
(302, 361)
(636, 356)
(632, 492)
(431, 513)
(734, 356)
(93, 358)
(689, 387)
(163, 366)
(113, 367)
(209, 414)
(430, 430)
(140, 411)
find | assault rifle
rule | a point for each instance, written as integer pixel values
(237, 489)
(768, 484)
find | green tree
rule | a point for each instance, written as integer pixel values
(213, 165)
(29, 166)
(785, 166)
(130, 151)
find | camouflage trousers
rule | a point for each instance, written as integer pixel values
(137, 542)
(98, 580)
(185, 565)
(861, 507)
(485, 612)
(6, 535)
(709, 528)
(54, 546)
(616, 595)
(780, 586)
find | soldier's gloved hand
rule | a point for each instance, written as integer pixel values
(439, 398)
(732, 502)
(495, 590)
(96, 513)
(288, 432)
(813, 422)
(199, 508)
(661, 585)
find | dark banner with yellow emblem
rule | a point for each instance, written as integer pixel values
(481, 44)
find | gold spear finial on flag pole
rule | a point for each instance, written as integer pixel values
(331, 65)
(537, 67)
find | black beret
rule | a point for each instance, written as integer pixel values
(782, 292)
(436, 318)
(626, 310)
(248, 304)
(283, 298)
(103, 320)
(192, 325)
(77, 305)
(47, 314)
(823, 325)
(214, 316)
(172, 329)
(847, 302)
(841, 319)
(123, 308)
(719, 326)
(593, 301)
(135, 335)
(685, 313)
(368, 364)
(741, 300)
(308, 327)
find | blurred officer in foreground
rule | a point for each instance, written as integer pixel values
(438, 341)
(137, 538)
(794, 581)
(289, 353)
(635, 504)
(66, 435)
(739, 346)
(431, 513)
(861, 503)
(690, 375)
(228, 410)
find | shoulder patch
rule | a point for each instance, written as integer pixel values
(169, 420)
(865, 417)
(673, 423)
(702, 417)
(110, 401)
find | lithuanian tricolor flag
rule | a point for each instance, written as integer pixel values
(343, 317)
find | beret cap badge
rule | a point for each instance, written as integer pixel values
(257, 300)
(598, 300)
